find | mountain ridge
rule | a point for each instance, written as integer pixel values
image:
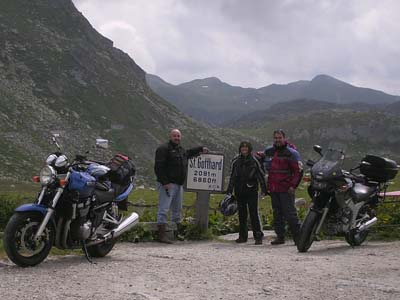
(212, 102)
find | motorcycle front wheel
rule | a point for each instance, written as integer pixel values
(307, 231)
(19, 242)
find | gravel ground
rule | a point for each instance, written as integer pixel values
(214, 270)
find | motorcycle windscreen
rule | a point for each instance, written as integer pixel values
(329, 166)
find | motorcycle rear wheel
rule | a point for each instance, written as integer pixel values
(354, 238)
(19, 242)
(101, 250)
(307, 231)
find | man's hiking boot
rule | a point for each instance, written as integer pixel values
(162, 235)
(278, 241)
(258, 242)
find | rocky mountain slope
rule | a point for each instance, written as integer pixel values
(58, 74)
(361, 129)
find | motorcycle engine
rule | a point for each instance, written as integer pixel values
(339, 222)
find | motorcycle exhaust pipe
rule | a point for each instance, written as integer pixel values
(368, 224)
(126, 225)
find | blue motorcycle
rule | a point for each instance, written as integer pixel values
(77, 207)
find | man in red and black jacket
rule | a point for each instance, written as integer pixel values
(283, 165)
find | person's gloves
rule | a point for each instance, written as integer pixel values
(260, 154)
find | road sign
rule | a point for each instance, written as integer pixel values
(206, 173)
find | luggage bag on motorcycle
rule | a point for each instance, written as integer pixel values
(122, 169)
(379, 169)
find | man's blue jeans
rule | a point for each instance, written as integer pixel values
(173, 200)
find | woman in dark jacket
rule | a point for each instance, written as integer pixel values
(246, 174)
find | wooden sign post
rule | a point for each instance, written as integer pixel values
(205, 176)
(202, 206)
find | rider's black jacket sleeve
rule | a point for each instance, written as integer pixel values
(232, 178)
(160, 165)
(261, 177)
(194, 151)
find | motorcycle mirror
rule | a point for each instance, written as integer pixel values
(54, 140)
(318, 149)
(365, 163)
(102, 143)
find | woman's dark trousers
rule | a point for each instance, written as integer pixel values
(249, 199)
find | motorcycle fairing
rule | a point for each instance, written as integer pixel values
(329, 166)
(362, 192)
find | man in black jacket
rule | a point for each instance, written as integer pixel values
(170, 168)
(246, 175)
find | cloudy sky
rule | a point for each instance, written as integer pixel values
(258, 42)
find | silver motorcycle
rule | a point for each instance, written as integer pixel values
(344, 202)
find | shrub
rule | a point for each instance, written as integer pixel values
(8, 203)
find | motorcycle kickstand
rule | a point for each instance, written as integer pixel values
(87, 255)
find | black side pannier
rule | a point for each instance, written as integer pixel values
(122, 168)
(378, 169)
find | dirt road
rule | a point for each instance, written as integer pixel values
(214, 270)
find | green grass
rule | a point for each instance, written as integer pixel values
(12, 195)
(2, 252)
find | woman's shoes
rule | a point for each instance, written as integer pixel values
(243, 240)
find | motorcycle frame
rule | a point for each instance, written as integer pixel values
(353, 206)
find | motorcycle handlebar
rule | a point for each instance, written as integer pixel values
(310, 163)
(354, 177)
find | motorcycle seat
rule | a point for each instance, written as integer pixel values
(104, 196)
(104, 192)
(102, 186)
(361, 192)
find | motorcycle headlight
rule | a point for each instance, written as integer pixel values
(47, 175)
(318, 185)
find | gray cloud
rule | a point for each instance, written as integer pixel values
(256, 43)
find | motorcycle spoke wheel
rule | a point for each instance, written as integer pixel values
(24, 238)
(20, 243)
